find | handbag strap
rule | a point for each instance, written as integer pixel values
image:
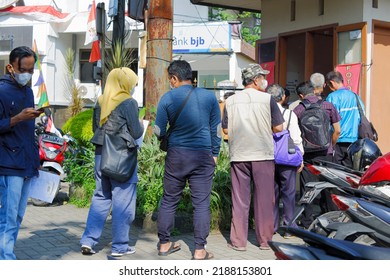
(359, 107)
(289, 118)
(178, 112)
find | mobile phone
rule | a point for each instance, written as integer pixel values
(42, 109)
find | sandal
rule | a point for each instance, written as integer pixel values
(236, 248)
(172, 249)
(208, 256)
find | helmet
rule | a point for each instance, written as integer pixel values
(363, 152)
(378, 173)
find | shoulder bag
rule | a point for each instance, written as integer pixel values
(286, 152)
(119, 154)
(366, 128)
(164, 139)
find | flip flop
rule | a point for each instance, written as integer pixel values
(172, 249)
(236, 248)
(206, 257)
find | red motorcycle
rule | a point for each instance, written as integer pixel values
(52, 148)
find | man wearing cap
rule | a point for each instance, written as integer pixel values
(250, 118)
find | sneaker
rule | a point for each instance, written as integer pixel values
(87, 250)
(130, 250)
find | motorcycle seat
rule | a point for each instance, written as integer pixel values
(381, 211)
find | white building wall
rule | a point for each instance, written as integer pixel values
(53, 40)
(276, 17)
(185, 11)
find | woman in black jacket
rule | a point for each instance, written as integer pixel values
(115, 107)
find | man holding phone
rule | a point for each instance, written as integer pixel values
(19, 157)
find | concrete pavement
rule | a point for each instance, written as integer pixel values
(53, 233)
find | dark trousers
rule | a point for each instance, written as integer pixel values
(285, 188)
(324, 202)
(196, 167)
(341, 155)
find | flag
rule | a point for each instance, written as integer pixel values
(351, 75)
(50, 127)
(42, 92)
(44, 13)
(91, 35)
(95, 52)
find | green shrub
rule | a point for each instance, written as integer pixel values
(80, 174)
(150, 176)
(150, 186)
(80, 126)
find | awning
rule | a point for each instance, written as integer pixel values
(242, 5)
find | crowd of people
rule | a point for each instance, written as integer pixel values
(248, 120)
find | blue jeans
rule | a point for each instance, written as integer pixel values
(121, 197)
(13, 203)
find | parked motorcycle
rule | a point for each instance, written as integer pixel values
(318, 247)
(338, 224)
(52, 149)
(367, 222)
(363, 153)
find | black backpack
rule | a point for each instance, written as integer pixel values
(315, 127)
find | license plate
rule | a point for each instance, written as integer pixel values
(307, 197)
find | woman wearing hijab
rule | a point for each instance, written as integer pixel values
(117, 104)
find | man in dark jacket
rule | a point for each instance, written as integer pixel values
(19, 157)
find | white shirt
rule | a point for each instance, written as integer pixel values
(294, 129)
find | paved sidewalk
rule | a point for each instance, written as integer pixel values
(53, 233)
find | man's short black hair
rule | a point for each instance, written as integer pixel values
(305, 88)
(181, 69)
(334, 76)
(19, 53)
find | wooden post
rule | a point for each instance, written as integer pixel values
(159, 51)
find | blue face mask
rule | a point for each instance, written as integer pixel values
(23, 78)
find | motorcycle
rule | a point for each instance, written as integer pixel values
(52, 148)
(340, 225)
(318, 247)
(366, 214)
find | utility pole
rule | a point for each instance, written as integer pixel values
(159, 27)
(118, 28)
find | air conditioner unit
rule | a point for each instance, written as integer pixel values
(90, 91)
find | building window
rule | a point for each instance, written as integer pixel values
(267, 52)
(86, 68)
(350, 46)
(321, 7)
(375, 4)
(292, 10)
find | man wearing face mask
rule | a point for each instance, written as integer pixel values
(250, 118)
(193, 148)
(19, 158)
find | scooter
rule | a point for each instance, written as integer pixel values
(51, 153)
(318, 247)
(364, 219)
(337, 224)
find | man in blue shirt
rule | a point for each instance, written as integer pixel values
(193, 147)
(345, 103)
(19, 157)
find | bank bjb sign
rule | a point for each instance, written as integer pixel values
(201, 38)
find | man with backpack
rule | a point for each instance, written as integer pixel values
(345, 101)
(319, 122)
